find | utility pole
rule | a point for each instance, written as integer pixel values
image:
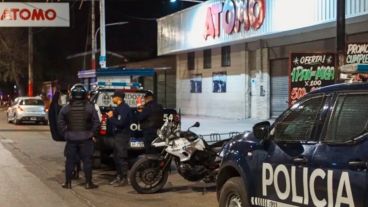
(30, 61)
(93, 19)
(102, 35)
(340, 36)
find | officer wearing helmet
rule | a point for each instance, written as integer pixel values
(120, 120)
(150, 119)
(77, 122)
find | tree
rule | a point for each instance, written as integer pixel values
(13, 56)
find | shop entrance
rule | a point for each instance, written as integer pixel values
(279, 86)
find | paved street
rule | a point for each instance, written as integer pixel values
(32, 172)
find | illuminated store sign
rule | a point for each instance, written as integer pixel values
(34, 14)
(232, 15)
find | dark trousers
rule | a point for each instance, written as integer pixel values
(75, 150)
(149, 136)
(121, 142)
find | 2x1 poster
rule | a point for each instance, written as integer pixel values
(309, 71)
(219, 82)
(357, 53)
(196, 83)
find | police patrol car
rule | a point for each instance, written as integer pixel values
(314, 154)
(104, 139)
(108, 81)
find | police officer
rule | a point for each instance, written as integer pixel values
(77, 122)
(120, 120)
(150, 119)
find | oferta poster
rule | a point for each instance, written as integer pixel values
(309, 71)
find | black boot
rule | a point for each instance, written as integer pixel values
(67, 185)
(90, 185)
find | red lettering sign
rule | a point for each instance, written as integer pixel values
(212, 24)
(250, 13)
(50, 14)
(229, 16)
(256, 21)
(27, 14)
(37, 14)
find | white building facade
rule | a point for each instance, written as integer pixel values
(232, 56)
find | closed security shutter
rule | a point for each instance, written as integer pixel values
(279, 86)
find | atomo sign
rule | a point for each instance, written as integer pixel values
(34, 15)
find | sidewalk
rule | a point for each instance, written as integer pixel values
(209, 125)
(20, 188)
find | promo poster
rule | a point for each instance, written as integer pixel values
(309, 71)
(219, 82)
(357, 53)
(196, 83)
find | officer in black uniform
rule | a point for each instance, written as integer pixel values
(77, 122)
(120, 120)
(150, 119)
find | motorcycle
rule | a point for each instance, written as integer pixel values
(194, 158)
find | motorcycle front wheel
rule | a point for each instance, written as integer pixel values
(146, 176)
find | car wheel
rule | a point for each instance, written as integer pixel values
(234, 194)
(15, 120)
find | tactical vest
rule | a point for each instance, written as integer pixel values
(79, 118)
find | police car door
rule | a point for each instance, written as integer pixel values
(293, 140)
(339, 175)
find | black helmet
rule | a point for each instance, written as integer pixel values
(78, 92)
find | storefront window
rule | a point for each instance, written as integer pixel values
(190, 59)
(225, 56)
(207, 60)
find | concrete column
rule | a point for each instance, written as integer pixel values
(260, 85)
(247, 98)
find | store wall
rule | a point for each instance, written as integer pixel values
(230, 104)
(248, 92)
(247, 88)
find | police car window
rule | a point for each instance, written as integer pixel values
(104, 99)
(349, 118)
(299, 121)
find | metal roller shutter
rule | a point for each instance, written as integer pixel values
(279, 86)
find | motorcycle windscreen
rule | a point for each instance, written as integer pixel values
(53, 116)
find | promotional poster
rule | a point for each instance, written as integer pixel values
(196, 83)
(219, 82)
(309, 71)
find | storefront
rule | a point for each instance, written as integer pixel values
(233, 56)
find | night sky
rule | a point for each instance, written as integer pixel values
(53, 45)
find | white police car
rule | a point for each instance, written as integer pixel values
(315, 154)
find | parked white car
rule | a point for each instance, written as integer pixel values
(27, 109)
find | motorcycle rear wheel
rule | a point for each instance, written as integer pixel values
(147, 177)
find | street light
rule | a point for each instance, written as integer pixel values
(98, 29)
